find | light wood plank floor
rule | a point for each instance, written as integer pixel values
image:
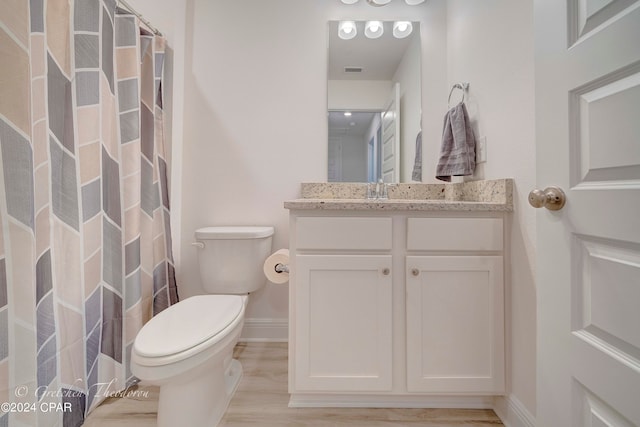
(261, 400)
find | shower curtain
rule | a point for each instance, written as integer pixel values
(85, 243)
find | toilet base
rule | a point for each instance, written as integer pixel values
(201, 399)
(232, 378)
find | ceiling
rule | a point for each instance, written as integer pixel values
(356, 124)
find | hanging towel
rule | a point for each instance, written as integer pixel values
(417, 163)
(458, 151)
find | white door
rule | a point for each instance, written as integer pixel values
(588, 143)
(461, 297)
(391, 137)
(344, 320)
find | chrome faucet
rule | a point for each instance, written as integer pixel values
(377, 190)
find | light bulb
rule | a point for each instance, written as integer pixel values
(347, 30)
(402, 29)
(373, 29)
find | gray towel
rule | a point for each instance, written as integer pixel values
(417, 163)
(458, 151)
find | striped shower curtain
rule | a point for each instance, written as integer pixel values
(85, 246)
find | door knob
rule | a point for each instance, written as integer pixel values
(552, 198)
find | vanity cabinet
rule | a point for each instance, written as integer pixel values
(392, 309)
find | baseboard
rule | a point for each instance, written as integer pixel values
(265, 330)
(388, 401)
(512, 412)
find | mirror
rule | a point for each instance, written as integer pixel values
(374, 104)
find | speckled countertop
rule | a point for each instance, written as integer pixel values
(487, 195)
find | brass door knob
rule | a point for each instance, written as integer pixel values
(552, 198)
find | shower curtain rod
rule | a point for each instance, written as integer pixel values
(139, 15)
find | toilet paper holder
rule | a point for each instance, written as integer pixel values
(276, 266)
(281, 268)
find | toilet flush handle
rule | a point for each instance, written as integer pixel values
(199, 245)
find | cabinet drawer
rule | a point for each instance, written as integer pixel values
(343, 233)
(454, 234)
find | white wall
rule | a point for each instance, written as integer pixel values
(364, 95)
(255, 116)
(490, 45)
(354, 158)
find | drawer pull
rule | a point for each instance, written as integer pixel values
(386, 271)
(415, 271)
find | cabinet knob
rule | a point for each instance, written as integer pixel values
(415, 271)
(386, 271)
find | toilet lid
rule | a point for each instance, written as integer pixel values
(187, 324)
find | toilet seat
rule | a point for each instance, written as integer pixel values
(190, 323)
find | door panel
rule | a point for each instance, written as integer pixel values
(603, 131)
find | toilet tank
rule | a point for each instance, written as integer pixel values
(231, 258)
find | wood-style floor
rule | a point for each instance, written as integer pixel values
(261, 400)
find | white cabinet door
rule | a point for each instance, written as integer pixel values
(343, 320)
(455, 324)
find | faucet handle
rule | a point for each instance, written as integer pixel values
(383, 193)
(371, 191)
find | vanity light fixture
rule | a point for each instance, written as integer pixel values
(347, 113)
(378, 2)
(373, 29)
(402, 29)
(347, 30)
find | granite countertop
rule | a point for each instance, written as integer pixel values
(487, 195)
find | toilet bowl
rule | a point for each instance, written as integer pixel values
(187, 349)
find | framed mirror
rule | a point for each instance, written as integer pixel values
(374, 102)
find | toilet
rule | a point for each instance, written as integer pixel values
(187, 349)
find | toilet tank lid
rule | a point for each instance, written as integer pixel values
(234, 232)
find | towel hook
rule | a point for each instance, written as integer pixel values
(463, 86)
